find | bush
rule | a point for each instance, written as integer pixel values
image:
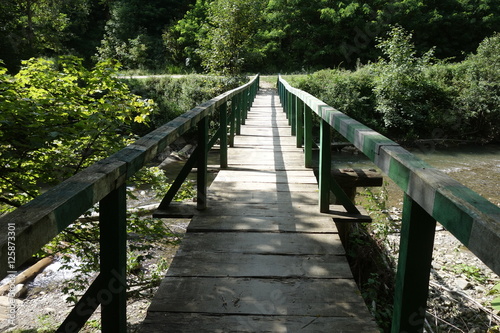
(480, 97)
(175, 96)
(406, 98)
(349, 92)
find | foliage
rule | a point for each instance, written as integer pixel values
(231, 27)
(174, 96)
(405, 97)
(181, 39)
(410, 97)
(495, 303)
(57, 118)
(480, 97)
(470, 272)
(300, 35)
(349, 92)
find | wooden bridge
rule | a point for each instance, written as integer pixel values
(261, 257)
(262, 252)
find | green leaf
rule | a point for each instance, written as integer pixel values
(495, 304)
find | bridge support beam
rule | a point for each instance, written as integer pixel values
(113, 243)
(325, 158)
(223, 135)
(201, 180)
(299, 120)
(308, 141)
(414, 265)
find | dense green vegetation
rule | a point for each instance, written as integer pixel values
(411, 97)
(236, 35)
(58, 118)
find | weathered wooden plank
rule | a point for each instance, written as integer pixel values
(289, 177)
(205, 264)
(242, 209)
(263, 243)
(311, 224)
(291, 297)
(237, 186)
(257, 196)
(161, 322)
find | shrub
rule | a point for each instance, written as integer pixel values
(349, 92)
(175, 96)
(480, 97)
(406, 98)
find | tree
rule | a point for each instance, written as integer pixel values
(231, 29)
(134, 31)
(182, 39)
(58, 118)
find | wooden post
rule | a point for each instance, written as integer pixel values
(289, 106)
(113, 244)
(243, 105)
(223, 135)
(201, 178)
(232, 122)
(308, 141)
(324, 167)
(238, 113)
(414, 265)
(300, 122)
(293, 114)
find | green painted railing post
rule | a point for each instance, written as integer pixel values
(414, 265)
(113, 244)
(308, 141)
(232, 122)
(237, 113)
(324, 167)
(285, 104)
(293, 115)
(223, 135)
(289, 107)
(244, 105)
(201, 176)
(300, 122)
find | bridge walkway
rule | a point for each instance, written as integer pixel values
(261, 258)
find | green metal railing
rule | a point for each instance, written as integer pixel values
(429, 196)
(27, 229)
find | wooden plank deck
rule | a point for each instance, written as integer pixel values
(261, 258)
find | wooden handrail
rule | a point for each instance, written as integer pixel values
(430, 195)
(34, 224)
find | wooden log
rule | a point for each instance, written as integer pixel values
(29, 274)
